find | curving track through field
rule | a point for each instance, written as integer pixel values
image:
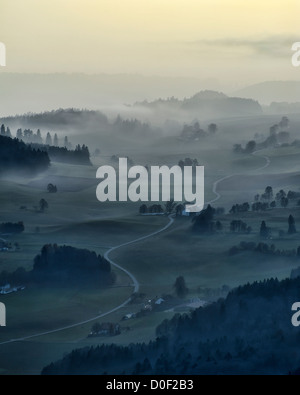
(135, 283)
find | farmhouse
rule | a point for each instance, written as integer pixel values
(107, 329)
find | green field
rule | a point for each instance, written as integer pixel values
(76, 218)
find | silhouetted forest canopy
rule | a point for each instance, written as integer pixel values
(207, 101)
(79, 156)
(80, 120)
(250, 332)
(64, 265)
(19, 157)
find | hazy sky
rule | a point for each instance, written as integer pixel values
(236, 41)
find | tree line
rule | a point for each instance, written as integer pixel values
(264, 248)
(79, 156)
(278, 136)
(194, 132)
(28, 136)
(17, 156)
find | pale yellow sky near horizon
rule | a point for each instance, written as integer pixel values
(224, 39)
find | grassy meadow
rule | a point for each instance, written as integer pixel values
(76, 218)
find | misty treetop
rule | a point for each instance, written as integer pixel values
(77, 120)
(206, 102)
(17, 156)
(79, 156)
(193, 132)
(278, 135)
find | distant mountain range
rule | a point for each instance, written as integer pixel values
(22, 93)
(272, 91)
(204, 105)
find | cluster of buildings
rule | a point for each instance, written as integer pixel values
(106, 329)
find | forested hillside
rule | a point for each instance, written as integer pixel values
(17, 156)
(249, 332)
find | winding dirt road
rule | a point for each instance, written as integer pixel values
(135, 282)
(217, 183)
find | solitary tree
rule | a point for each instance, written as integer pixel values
(181, 288)
(66, 143)
(212, 128)
(292, 225)
(284, 202)
(8, 133)
(170, 206)
(281, 194)
(55, 140)
(264, 230)
(179, 210)
(2, 132)
(43, 205)
(269, 193)
(52, 188)
(48, 139)
(38, 139)
(250, 147)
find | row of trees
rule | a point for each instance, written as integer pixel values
(194, 132)
(170, 208)
(281, 198)
(278, 135)
(266, 201)
(224, 337)
(263, 248)
(131, 126)
(239, 226)
(79, 156)
(29, 137)
(154, 209)
(266, 232)
(188, 162)
(204, 223)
